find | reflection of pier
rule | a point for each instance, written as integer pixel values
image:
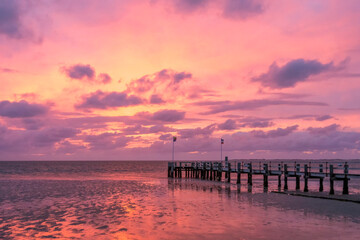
(214, 171)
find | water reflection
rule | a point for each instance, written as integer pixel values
(324, 208)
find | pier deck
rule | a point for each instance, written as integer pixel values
(214, 171)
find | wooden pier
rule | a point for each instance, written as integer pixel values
(214, 171)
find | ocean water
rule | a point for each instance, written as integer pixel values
(136, 200)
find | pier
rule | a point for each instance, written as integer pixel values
(223, 171)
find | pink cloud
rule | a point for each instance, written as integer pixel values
(21, 109)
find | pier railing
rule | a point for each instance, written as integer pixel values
(214, 171)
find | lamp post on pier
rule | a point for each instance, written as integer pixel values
(173, 147)
(221, 143)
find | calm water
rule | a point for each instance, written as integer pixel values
(135, 200)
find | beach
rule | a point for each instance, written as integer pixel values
(135, 200)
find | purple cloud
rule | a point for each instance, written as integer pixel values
(279, 132)
(24, 141)
(80, 72)
(298, 70)
(323, 118)
(168, 115)
(10, 20)
(156, 99)
(257, 124)
(104, 78)
(242, 9)
(21, 109)
(8, 70)
(228, 125)
(178, 77)
(167, 77)
(139, 129)
(104, 100)
(86, 73)
(196, 132)
(106, 141)
(324, 130)
(49, 136)
(32, 124)
(166, 137)
(224, 106)
(188, 6)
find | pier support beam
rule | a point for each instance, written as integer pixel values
(285, 177)
(321, 180)
(229, 173)
(279, 177)
(266, 175)
(332, 180)
(238, 180)
(306, 176)
(297, 173)
(346, 180)
(250, 174)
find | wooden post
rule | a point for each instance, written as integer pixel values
(297, 176)
(285, 177)
(266, 175)
(180, 171)
(321, 184)
(219, 171)
(306, 176)
(238, 173)
(211, 171)
(203, 171)
(279, 177)
(331, 179)
(346, 180)
(250, 174)
(229, 173)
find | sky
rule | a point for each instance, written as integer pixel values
(116, 80)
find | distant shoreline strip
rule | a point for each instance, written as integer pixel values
(316, 196)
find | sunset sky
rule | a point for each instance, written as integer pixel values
(116, 79)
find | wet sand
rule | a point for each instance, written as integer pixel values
(148, 207)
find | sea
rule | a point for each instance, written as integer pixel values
(136, 200)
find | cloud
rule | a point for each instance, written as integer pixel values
(286, 140)
(196, 132)
(298, 70)
(67, 147)
(32, 124)
(49, 136)
(257, 124)
(165, 79)
(168, 115)
(242, 9)
(139, 129)
(166, 137)
(10, 20)
(162, 116)
(323, 117)
(33, 141)
(279, 132)
(324, 130)
(156, 99)
(80, 72)
(106, 141)
(178, 77)
(8, 70)
(105, 100)
(224, 106)
(21, 109)
(228, 125)
(104, 78)
(86, 73)
(188, 6)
